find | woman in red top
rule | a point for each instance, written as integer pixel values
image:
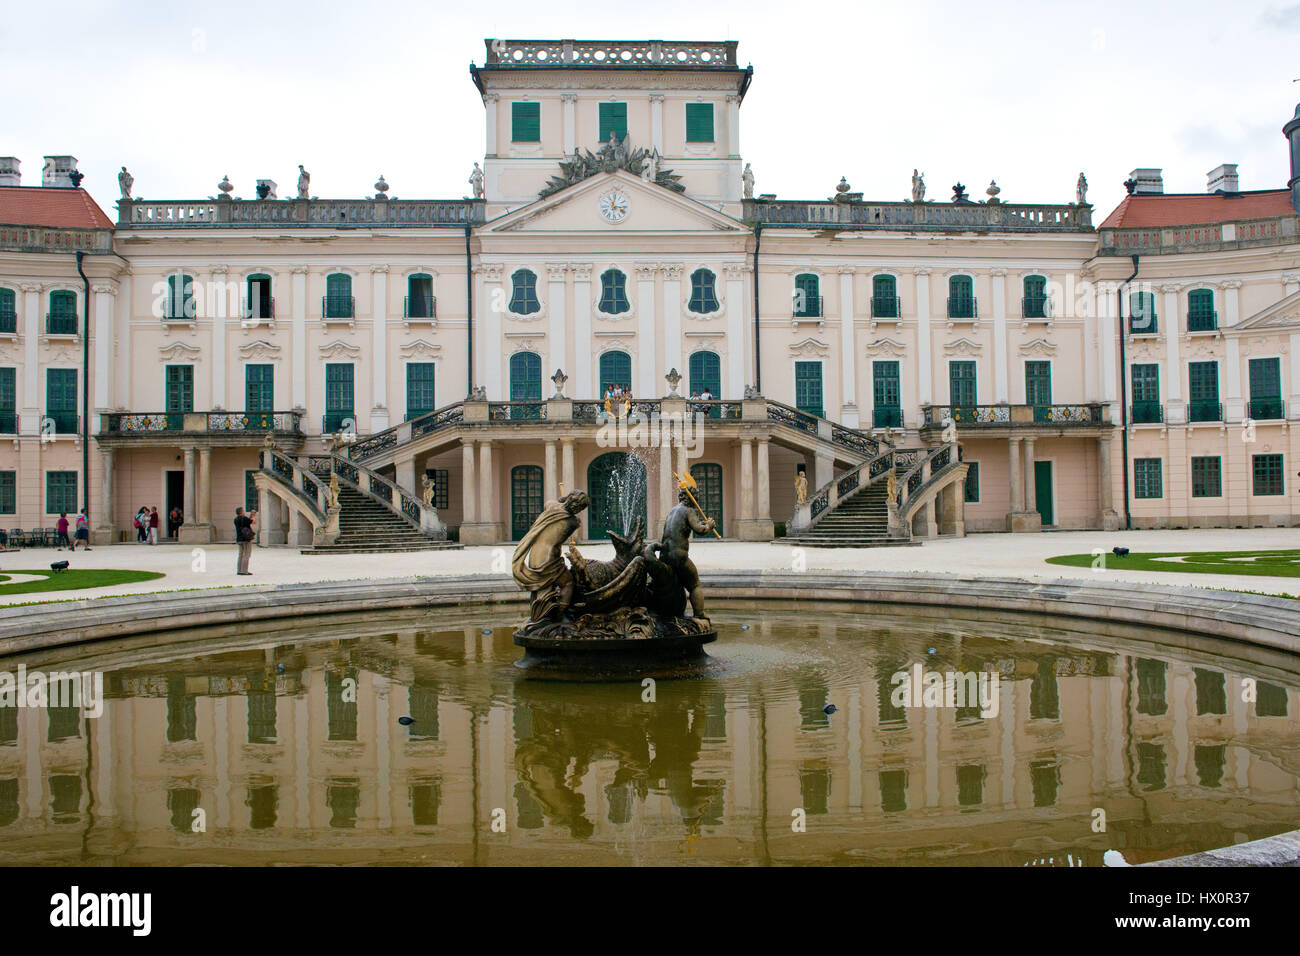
(153, 525)
(62, 539)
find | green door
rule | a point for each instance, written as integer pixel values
(525, 499)
(259, 395)
(808, 388)
(419, 389)
(61, 399)
(961, 390)
(1038, 389)
(1043, 491)
(708, 480)
(617, 489)
(706, 375)
(338, 396)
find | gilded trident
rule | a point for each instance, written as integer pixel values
(686, 483)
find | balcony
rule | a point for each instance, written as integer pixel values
(1036, 307)
(1267, 409)
(1199, 411)
(218, 427)
(8, 422)
(333, 421)
(337, 307)
(963, 307)
(886, 307)
(261, 309)
(1143, 324)
(1203, 321)
(1017, 417)
(8, 322)
(61, 323)
(807, 306)
(1147, 413)
(61, 422)
(886, 416)
(419, 307)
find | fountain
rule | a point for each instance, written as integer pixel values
(619, 619)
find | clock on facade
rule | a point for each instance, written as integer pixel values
(613, 206)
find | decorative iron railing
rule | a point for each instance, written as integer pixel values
(785, 415)
(1266, 409)
(862, 443)
(531, 411)
(1146, 413)
(966, 414)
(255, 421)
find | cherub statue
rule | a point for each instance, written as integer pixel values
(332, 498)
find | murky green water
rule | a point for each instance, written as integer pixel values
(286, 747)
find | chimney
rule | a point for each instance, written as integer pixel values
(9, 175)
(1292, 132)
(1149, 182)
(1222, 179)
(58, 172)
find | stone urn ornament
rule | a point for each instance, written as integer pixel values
(381, 188)
(558, 380)
(225, 187)
(673, 378)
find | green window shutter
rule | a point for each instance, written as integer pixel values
(526, 122)
(61, 399)
(525, 499)
(8, 492)
(419, 389)
(259, 388)
(8, 401)
(1266, 388)
(962, 384)
(1201, 316)
(1203, 390)
(613, 119)
(8, 311)
(339, 379)
(523, 296)
(180, 388)
(884, 297)
(615, 369)
(63, 313)
(1146, 383)
(706, 373)
(1142, 313)
(704, 294)
(961, 297)
(60, 492)
(1038, 383)
(699, 122)
(1034, 304)
(807, 295)
(525, 377)
(708, 479)
(613, 293)
(808, 387)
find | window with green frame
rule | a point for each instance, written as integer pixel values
(419, 389)
(886, 395)
(961, 298)
(1146, 393)
(1142, 317)
(699, 122)
(441, 486)
(178, 393)
(258, 303)
(8, 400)
(525, 499)
(962, 390)
(973, 481)
(1201, 316)
(884, 297)
(523, 292)
(61, 399)
(259, 388)
(60, 492)
(615, 369)
(338, 300)
(705, 369)
(1207, 476)
(807, 295)
(1038, 388)
(525, 383)
(1034, 304)
(708, 479)
(808, 388)
(339, 392)
(1267, 473)
(180, 297)
(1152, 684)
(613, 292)
(1203, 392)
(612, 119)
(526, 122)
(250, 491)
(1266, 388)
(341, 704)
(8, 492)
(1147, 481)
(704, 292)
(8, 311)
(261, 716)
(62, 319)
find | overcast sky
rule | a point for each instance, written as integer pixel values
(1029, 94)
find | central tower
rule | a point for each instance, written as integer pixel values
(544, 99)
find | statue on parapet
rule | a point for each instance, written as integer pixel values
(918, 186)
(476, 181)
(1081, 190)
(304, 183)
(124, 182)
(747, 182)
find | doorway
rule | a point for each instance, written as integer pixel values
(1043, 492)
(175, 498)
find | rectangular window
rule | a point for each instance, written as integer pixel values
(179, 392)
(808, 387)
(1266, 388)
(1147, 478)
(60, 492)
(338, 396)
(61, 399)
(8, 401)
(1151, 685)
(259, 388)
(419, 389)
(699, 122)
(1142, 314)
(526, 122)
(1146, 393)
(250, 491)
(441, 481)
(973, 481)
(613, 119)
(961, 384)
(1267, 472)
(1038, 389)
(8, 492)
(886, 395)
(1207, 477)
(1203, 390)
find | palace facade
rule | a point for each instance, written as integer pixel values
(1010, 366)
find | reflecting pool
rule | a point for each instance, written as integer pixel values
(411, 739)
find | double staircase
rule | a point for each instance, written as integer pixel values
(858, 522)
(367, 527)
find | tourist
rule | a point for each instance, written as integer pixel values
(174, 521)
(244, 537)
(62, 539)
(142, 525)
(153, 525)
(83, 531)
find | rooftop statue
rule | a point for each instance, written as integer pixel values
(304, 183)
(747, 182)
(124, 182)
(1081, 191)
(918, 186)
(476, 181)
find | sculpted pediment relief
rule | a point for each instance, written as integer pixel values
(810, 347)
(884, 346)
(1282, 314)
(339, 349)
(180, 351)
(962, 346)
(420, 348)
(1038, 346)
(259, 351)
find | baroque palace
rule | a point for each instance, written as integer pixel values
(929, 366)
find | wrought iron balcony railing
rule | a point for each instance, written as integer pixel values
(61, 323)
(1203, 321)
(1267, 409)
(419, 307)
(260, 308)
(1036, 307)
(1143, 324)
(1202, 411)
(144, 423)
(1014, 416)
(1147, 413)
(886, 307)
(807, 306)
(963, 307)
(336, 306)
(65, 423)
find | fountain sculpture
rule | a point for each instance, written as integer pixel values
(625, 618)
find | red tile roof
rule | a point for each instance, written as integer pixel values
(52, 207)
(1192, 209)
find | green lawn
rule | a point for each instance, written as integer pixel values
(74, 579)
(1277, 564)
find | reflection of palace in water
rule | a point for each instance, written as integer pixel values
(288, 764)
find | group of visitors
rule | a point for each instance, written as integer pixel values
(618, 399)
(82, 532)
(703, 396)
(146, 525)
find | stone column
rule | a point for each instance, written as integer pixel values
(102, 334)
(490, 101)
(104, 532)
(673, 357)
(488, 348)
(1231, 394)
(733, 384)
(657, 122)
(190, 482)
(1031, 492)
(218, 277)
(583, 355)
(299, 377)
(646, 384)
(848, 351)
(379, 417)
(746, 480)
(823, 471)
(488, 505)
(1109, 518)
(1231, 303)
(407, 478)
(566, 463)
(205, 486)
(1017, 501)
(300, 530)
(550, 480)
(468, 483)
(1001, 386)
(667, 487)
(265, 500)
(568, 110)
(764, 482)
(557, 352)
(923, 367)
(1172, 373)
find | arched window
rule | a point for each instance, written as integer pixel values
(708, 480)
(525, 499)
(62, 319)
(180, 296)
(704, 293)
(961, 298)
(1034, 303)
(1142, 313)
(525, 384)
(706, 378)
(1201, 316)
(8, 311)
(615, 369)
(613, 292)
(807, 295)
(419, 296)
(337, 303)
(523, 292)
(258, 302)
(884, 297)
